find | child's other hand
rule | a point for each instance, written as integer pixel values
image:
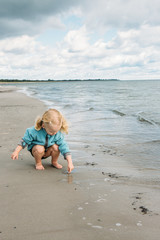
(70, 164)
(70, 167)
(14, 155)
(16, 152)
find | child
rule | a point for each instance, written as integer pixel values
(46, 139)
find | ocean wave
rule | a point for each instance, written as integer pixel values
(144, 119)
(93, 119)
(26, 91)
(158, 123)
(88, 109)
(68, 106)
(84, 111)
(152, 142)
(91, 109)
(32, 93)
(48, 103)
(118, 113)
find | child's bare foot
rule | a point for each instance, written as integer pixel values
(57, 165)
(39, 167)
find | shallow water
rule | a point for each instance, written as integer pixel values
(119, 115)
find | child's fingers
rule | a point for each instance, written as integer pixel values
(14, 157)
(70, 169)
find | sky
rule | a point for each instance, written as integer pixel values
(79, 39)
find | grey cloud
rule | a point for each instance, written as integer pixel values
(124, 14)
(29, 16)
(15, 51)
(20, 17)
(33, 9)
(17, 27)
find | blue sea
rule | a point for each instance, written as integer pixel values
(120, 118)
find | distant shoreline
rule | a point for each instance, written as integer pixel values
(71, 80)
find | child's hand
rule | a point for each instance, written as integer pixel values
(70, 164)
(70, 167)
(16, 152)
(14, 155)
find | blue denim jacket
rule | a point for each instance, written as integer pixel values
(33, 137)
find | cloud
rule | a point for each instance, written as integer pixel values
(125, 56)
(18, 27)
(21, 17)
(31, 17)
(77, 40)
(87, 50)
(33, 9)
(128, 48)
(123, 14)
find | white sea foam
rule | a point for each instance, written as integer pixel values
(27, 91)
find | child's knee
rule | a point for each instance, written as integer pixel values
(55, 148)
(39, 149)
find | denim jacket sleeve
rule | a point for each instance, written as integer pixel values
(27, 139)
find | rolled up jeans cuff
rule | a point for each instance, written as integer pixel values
(22, 143)
(66, 154)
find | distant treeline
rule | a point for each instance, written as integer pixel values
(49, 80)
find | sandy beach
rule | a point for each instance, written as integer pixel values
(94, 202)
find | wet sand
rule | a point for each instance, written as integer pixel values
(96, 201)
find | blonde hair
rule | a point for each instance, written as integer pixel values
(54, 117)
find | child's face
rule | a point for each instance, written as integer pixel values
(50, 129)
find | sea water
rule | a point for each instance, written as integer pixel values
(122, 116)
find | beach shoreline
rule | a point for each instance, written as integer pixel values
(93, 202)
